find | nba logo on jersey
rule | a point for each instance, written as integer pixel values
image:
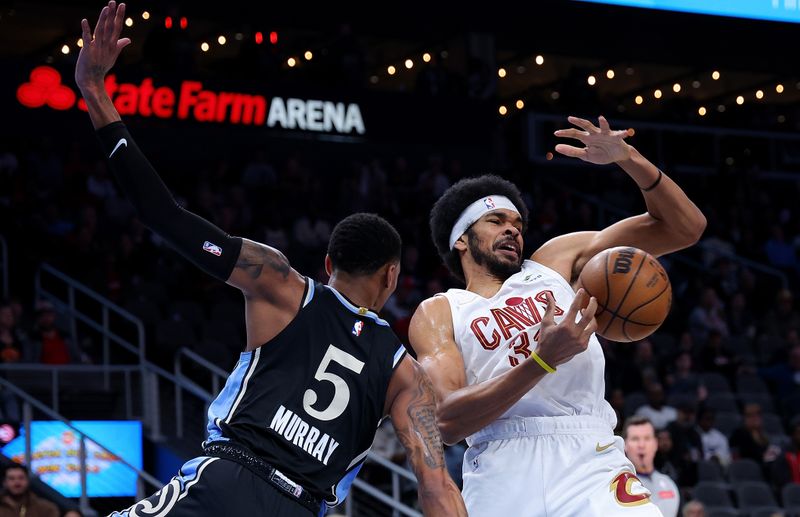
(212, 248)
(489, 203)
(357, 327)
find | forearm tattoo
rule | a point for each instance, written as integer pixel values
(421, 438)
(253, 257)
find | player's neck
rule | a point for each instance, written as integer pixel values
(358, 291)
(480, 281)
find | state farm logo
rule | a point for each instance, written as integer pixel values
(193, 102)
(45, 88)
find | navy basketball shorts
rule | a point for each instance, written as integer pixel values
(219, 487)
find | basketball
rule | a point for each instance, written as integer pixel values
(632, 290)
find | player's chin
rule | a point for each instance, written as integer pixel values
(508, 257)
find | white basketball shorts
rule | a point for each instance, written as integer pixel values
(551, 467)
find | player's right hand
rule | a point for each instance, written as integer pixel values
(99, 52)
(558, 343)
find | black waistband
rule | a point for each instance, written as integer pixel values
(275, 477)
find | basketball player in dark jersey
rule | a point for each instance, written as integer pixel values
(293, 424)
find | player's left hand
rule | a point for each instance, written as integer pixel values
(603, 145)
(100, 51)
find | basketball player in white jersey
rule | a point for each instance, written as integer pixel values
(513, 357)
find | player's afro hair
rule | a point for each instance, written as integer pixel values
(362, 243)
(459, 196)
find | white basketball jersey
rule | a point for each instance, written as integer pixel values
(495, 334)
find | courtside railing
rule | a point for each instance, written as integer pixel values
(117, 329)
(123, 330)
(4, 265)
(30, 403)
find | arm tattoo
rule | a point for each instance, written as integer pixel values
(422, 438)
(254, 257)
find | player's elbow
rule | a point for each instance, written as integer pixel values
(449, 429)
(694, 228)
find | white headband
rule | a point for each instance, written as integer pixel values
(475, 211)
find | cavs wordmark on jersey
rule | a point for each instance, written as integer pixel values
(495, 334)
(309, 401)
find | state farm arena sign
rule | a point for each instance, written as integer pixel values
(191, 101)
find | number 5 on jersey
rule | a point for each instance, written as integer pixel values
(341, 395)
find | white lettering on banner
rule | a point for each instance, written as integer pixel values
(315, 115)
(192, 101)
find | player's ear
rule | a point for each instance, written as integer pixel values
(328, 265)
(390, 275)
(461, 243)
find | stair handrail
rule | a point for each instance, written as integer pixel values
(4, 262)
(30, 401)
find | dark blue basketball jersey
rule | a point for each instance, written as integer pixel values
(310, 400)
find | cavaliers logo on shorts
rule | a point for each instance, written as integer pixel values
(623, 486)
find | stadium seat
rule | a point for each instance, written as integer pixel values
(764, 400)
(724, 401)
(175, 334)
(634, 401)
(710, 471)
(187, 310)
(727, 422)
(744, 470)
(715, 511)
(751, 384)
(790, 495)
(766, 511)
(772, 423)
(145, 311)
(752, 495)
(712, 494)
(715, 383)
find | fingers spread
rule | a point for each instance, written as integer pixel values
(583, 124)
(119, 21)
(587, 314)
(549, 313)
(86, 34)
(577, 304)
(603, 124)
(572, 133)
(100, 28)
(590, 329)
(571, 151)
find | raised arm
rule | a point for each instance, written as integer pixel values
(463, 410)
(413, 412)
(261, 272)
(672, 221)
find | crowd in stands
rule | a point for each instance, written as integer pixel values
(720, 380)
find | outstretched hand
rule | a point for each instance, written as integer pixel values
(560, 342)
(100, 52)
(603, 145)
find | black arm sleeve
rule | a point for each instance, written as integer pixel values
(205, 245)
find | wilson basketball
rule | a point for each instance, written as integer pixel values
(632, 290)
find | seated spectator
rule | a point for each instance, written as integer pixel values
(714, 357)
(683, 380)
(49, 345)
(664, 456)
(715, 444)
(750, 440)
(694, 509)
(784, 377)
(786, 468)
(655, 410)
(13, 342)
(782, 317)
(687, 447)
(17, 500)
(708, 315)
